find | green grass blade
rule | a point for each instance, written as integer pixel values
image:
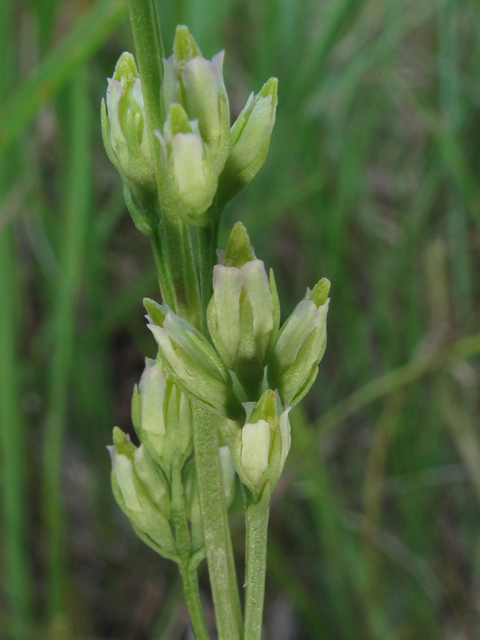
(13, 456)
(76, 211)
(84, 39)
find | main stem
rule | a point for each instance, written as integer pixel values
(256, 516)
(215, 524)
(179, 254)
(207, 247)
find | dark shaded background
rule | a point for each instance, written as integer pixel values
(371, 181)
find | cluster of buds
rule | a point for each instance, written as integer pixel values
(201, 155)
(145, 480)
(245, 367)
(254, 372)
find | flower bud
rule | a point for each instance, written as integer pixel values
(195, 365)
(190, 171)
(300, 346)
(142, 493)
(165, 424)
(197, 84)
(243, 320)
(250, 139)
(265, 442)
(124, 127)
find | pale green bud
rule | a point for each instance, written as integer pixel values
(265, 442)
(242, 322)
(124, 127)
(195, 365)
(300, 346)
(190, 170)
(165, 418)
(141, 492)
(207, 102)
(250, 139)
(243, 314)
(198, 85)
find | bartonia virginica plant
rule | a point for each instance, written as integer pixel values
(216, 400)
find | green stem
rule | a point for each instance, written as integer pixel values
(182, 269)
(179, 254)
(13, 503)
(182, 538)
(215, 524)
(256, 517)
(76, 210)
(149, 49)
(12, 450)
(207, 250)
(161, 265)
(194, 604)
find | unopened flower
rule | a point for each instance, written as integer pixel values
(250, 140)
(197, 84)
(162, 418)
(300, 346)
(265, 442)
(124, 127)
(142, 492)
(191, 176)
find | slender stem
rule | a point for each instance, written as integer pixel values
(207, 246)
(13, 503)
(179, 253)
(215, 524)
(76, 211)
(149, 48)
(164, 279)
(182, 269)
(194, 604)
(12, 450)
(256, 517)
(182, 538)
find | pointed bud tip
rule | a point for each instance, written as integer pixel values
(270, 88)
(184, 47)
(156, 312)
(177, 121)
(239, 250)
(319, 294)
(126, 69)
(266, 408)
(122, 443)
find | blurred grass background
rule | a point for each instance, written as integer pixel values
(371, 181)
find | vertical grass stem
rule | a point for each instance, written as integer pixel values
(76, 211)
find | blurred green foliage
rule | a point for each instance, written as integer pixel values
(371, 181)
